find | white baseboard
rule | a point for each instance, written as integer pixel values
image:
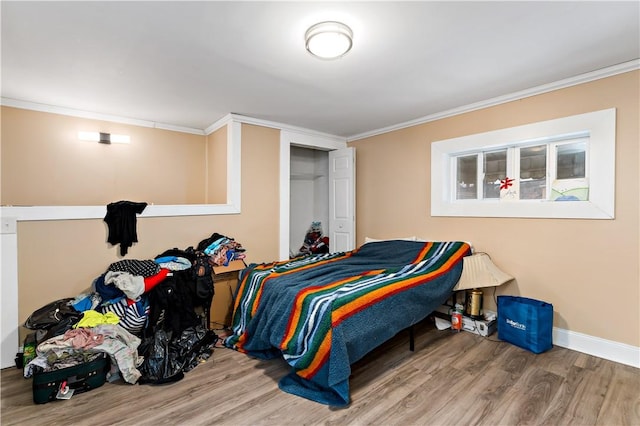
(602, 348)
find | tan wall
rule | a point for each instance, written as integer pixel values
(59, 259)
(44, 163)
(217, 167)
(588, 269)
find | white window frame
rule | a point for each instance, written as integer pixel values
(601, 127)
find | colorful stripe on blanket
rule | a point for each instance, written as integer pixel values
(251, 286)
(307, 342)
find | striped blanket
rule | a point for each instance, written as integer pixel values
(323, 312)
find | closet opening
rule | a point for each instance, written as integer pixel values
(308, 200)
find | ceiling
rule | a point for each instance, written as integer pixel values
(188, 64)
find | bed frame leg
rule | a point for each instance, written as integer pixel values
(411, 341)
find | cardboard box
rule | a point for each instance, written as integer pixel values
(484, 327)
(225, 283)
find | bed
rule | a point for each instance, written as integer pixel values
(322, 313)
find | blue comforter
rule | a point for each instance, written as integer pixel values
(322, 313)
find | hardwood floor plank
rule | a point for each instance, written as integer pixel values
(528, 398)
(621, 405)
(366, 407)
(482, 399)
(476, 356)
(556, 360)
(579, 398)
(420, 405)
(450, 379)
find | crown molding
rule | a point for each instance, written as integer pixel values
(33, 106)
(561, 84)
(218, 124)
(226, 119)
(285, 127)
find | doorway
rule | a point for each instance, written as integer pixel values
(315, 149)
(309, 194)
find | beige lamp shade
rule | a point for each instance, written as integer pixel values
(479, 271)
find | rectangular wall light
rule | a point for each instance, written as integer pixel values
(105, 138)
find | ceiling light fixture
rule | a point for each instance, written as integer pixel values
(328, 40)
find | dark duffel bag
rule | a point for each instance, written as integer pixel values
(52, 314)
(80, 378)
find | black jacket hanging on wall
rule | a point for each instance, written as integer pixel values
(121, 220)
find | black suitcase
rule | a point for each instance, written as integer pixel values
(80, 378)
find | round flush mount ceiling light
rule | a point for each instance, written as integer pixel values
(329, 40)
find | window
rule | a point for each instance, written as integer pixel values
(467, 170)
(533, 172)
(559, 168)
(563, 177)
(495, 170)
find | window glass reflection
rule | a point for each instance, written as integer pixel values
(533, 173)
(495, 169)
(467, 172)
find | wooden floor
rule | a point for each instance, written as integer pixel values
(450, 379)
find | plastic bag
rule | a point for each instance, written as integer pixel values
(53, 314)
(158, 366)
(195, 344)
(166, 359)
(525, 322)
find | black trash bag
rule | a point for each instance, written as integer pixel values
(166, 359)
(194, 345)
(159, 366)
(52, 315)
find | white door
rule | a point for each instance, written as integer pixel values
(342, 199)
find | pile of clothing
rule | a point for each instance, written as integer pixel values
(221, 250)
(314, 241)
(84, 343)
(143, 313)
